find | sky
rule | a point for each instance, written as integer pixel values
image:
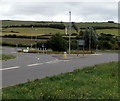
(81, 11)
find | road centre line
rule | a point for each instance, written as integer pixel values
(34, 64)
(30, 65)
(10, 68)
(54, 61)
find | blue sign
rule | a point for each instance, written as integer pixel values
(43, 46)
(81, 42)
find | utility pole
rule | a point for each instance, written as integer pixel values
(69, 30)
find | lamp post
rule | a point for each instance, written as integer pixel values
(31, 37)
(90, 38)
(36, 39)
(69, 31)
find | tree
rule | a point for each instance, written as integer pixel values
(89, 34)
(57, 43)
(107, 41)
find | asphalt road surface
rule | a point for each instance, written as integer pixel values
(33, 66)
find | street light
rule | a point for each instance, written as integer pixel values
(69, 30)
(31, 37)
(36, 39)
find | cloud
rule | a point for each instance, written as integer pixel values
(59, 11)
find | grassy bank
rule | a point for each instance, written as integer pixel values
(6, 57)
(97, 82)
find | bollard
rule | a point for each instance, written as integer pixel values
(65, 55)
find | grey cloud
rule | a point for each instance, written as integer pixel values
(88, 11)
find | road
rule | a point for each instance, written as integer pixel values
(32, 66)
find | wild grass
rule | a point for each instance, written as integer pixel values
(6, 57)
(96, 82)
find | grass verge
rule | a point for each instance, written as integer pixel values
(109, 51)
(6, 57)
(56, 52)
(97, 82)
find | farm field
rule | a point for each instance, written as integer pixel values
(19, 23)
(37, 31)
(32, 31)
(79, 24)
(49, 31)
(97, 24)
(21, 41)
(108, 31)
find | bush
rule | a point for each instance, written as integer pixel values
(57, 43)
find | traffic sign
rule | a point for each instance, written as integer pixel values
(43, 46)
(81, 42)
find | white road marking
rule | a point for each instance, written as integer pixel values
(96, 54)
(34, 64)
(10, 68)
(66, 60)
(49, 62)
(54, 61)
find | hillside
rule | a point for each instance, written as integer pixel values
(80, 24)
(46, 27)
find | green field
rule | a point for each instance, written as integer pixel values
(49, 31)
(15, 22)
(80, 24)
(33, 31)
(97, 24)
(21, 40)
(108, 31)
(43, 31)
(97, 82)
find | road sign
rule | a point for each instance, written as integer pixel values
(43, 46)
(81, 42)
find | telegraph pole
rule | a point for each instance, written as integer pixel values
(69, 30)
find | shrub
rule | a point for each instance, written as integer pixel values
(57, 43)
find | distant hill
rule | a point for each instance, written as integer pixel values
(78, 24)
(51, 27)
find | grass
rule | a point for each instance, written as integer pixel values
(56, 52)
(97, 24)
(33, 31)
(21, 41)
(6, 57)
(80, 24)
(43, 31)
(97, 82)
(108, 31)
(111, 51)
(49, 31)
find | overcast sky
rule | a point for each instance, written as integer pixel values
(59, 11)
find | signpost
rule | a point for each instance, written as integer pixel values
(43, 48)
(81, 43)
